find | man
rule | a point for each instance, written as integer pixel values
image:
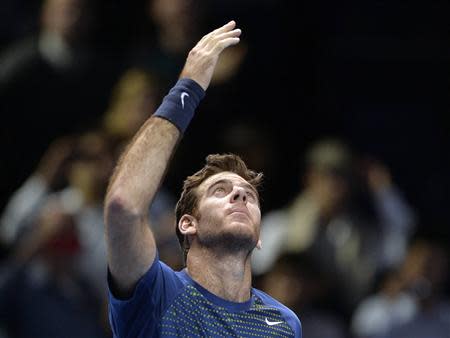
(218, 217)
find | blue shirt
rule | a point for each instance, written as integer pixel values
(166, 303)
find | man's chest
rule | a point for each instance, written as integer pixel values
(192, 315)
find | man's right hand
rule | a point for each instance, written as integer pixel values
(202, 59)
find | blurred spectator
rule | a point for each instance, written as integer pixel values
(60, 45)
(57, 247)
(170, 31)
(427, 277)
(51, 84)
(394, 303)
(50, 175)
(327, 222)
(84, 165)
(47, 297)
(133, 99)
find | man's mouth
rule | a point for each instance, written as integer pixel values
(239, 211)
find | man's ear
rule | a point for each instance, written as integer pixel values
(187, 225)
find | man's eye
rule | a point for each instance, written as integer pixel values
(219, 190)
(251, 195)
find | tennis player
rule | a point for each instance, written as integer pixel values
(217, 222)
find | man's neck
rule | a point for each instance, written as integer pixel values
(227, 276)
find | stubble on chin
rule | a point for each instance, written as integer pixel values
(227, 242)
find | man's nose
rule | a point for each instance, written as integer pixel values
(239, 195)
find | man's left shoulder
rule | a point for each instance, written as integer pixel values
(289, 315)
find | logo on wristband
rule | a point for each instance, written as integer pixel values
(182, 96)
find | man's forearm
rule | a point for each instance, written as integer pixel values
(142, 166)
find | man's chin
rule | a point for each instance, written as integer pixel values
(230, 242)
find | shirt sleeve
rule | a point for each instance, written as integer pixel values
(139, 315)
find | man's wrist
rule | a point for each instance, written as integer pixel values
(179, 105)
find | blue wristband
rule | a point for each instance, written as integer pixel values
(179, 105)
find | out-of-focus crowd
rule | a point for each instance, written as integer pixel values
(345, 254)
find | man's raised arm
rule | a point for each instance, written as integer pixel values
(139, 173)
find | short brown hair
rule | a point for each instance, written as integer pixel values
(216, 163)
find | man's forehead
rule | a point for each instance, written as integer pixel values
(225, 175)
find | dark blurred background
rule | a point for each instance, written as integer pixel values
(373, 74)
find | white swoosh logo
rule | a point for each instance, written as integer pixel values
(183, 95)
(268, 322)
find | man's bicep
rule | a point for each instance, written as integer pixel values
(131, 249)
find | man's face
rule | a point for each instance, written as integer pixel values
(228, 213)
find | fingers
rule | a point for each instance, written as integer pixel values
(235, 33)
(202, 59)
(224, 40)
(222, 44)
(218, 43)
(227, 28)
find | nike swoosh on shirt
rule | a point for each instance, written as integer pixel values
(182, 96)
(268, 322)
